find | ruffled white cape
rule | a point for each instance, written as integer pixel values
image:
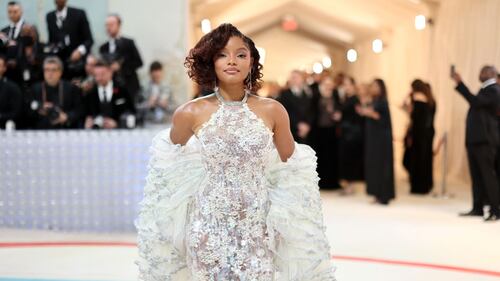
(294, 222)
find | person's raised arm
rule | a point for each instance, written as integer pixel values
(283, 139)
(182, 124)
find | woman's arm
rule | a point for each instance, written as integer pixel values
(182, 123)
(283, 139)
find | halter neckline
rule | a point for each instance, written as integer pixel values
(223, 101)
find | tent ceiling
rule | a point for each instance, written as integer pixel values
(337, 22)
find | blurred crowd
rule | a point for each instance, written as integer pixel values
(61, 84)
(349, 127)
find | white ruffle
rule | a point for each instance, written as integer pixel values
(174, 174)
(294, 222)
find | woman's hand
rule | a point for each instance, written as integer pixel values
(368, 111)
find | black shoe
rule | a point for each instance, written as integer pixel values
(382, 202)
(492, 217)
(472, 213)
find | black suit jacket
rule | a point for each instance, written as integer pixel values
(6, 31)
(11, 101)
(17, 53)
(298, 108)
(130, 60)
(71, 104)
(121, 102)
(75, 25)
(482, 122)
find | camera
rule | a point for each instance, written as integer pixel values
(98, 122)
(53, 113)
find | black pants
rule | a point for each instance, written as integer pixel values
(484, 179)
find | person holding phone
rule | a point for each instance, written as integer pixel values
(482, 139)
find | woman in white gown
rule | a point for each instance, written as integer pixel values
(239, 200)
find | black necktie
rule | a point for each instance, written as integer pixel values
(12, 32)
(105, 95)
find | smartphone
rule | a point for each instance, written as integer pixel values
(452, 70)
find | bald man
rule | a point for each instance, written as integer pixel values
(482, 139)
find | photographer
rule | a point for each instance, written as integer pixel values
(87, 83)
(108, 105)
(20, 44)
(10, 98)
(56, 103)
(482, 139)
(69, 38)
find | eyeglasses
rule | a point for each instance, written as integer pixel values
(51, 69)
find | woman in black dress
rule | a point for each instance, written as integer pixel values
(324, 134)
(351, 141)
(419, 138)
(379, 169)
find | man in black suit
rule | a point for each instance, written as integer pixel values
(498, 150)
(56, 103)
(13, 41)
(297, 100)
(69, 37)
(108, 104)
(11, 99)
(10, 34)
(123, 56)
(482, 138)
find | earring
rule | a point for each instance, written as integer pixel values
(216, 87)
(248, 86)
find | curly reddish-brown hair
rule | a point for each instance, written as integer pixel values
(200, 61)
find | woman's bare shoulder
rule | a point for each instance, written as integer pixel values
(272, 109)
(193, 107)
(268, 104)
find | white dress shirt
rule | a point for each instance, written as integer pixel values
(61, 16)
(112, 45)
(18, 27)
(488, 83)
(109, 92)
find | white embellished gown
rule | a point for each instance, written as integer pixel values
(224, 207)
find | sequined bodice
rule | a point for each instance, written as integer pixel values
(234, 142)
(227, 231)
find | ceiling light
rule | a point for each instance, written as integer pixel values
(327, 62)
(262, 53)
(317, 68)
(377, 46)
(420, 22)
(352, 55)
(206, 26)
